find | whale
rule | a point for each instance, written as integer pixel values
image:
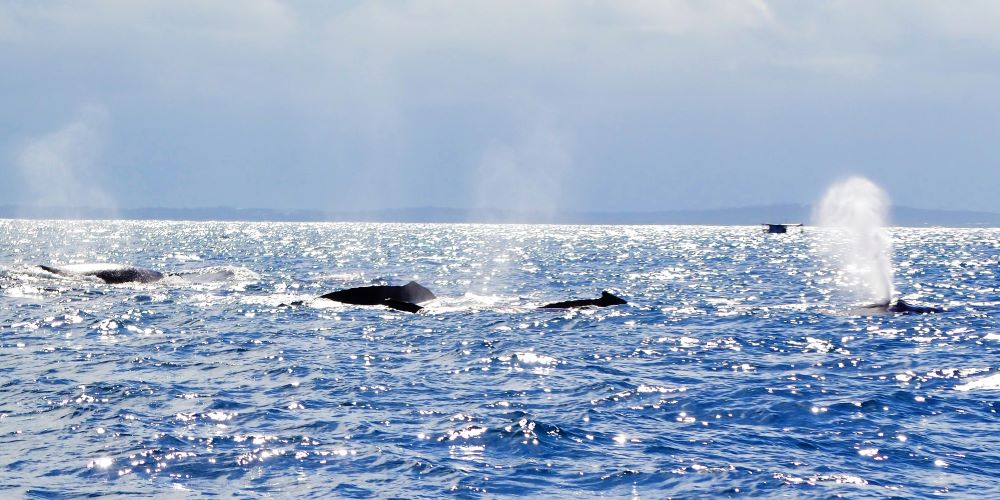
(606, 299)
(403, 298)
(900, 307)
(109, 273)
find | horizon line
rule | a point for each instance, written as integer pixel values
(8, 207)
(788, 213)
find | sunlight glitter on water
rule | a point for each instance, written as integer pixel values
(732, 366)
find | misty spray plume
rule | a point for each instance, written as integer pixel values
(521, 178)
(60, 169)
(525, 177)
(858, 209)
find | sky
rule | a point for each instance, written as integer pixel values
(545, 105)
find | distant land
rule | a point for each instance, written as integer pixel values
(901, 216)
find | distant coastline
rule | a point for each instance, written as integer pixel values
(901, 216)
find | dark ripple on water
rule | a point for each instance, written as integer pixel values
(734, 369)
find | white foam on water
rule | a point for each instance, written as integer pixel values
(989, 383)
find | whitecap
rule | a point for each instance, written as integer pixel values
(989, 383)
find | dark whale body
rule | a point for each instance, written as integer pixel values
(605, 300)
(403, 298)
(902, 307)
(109, 273)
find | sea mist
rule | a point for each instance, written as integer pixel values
(857, 210)
(61, 170)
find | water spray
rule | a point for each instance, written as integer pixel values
(859, 210)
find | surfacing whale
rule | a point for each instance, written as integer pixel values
(900, 306)
(403, 298)
(605, 300)
(109, 273)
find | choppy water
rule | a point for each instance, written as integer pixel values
(735, 370)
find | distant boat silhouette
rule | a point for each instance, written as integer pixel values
(778, 228)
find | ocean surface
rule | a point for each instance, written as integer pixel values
(738, 368)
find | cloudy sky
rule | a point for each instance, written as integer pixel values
(554, 105)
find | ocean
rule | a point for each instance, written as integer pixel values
(739, 366)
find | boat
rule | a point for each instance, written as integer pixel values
(778, 228)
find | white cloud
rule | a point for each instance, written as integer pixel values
(606, 40)
(354, 85)
(226, 21)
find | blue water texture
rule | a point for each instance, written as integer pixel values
(738, 368)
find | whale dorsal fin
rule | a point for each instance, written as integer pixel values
(610, 299)
(415, 292)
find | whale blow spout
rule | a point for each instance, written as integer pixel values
(857, 211)
(403, 298)
(605, 300)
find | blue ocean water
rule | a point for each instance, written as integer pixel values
(737, 368)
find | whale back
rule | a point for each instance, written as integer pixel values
(129, 275)
(54, 270)
(605, 300)
(364, 295)
(900, 307)
(404, 298)
(109, 273)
